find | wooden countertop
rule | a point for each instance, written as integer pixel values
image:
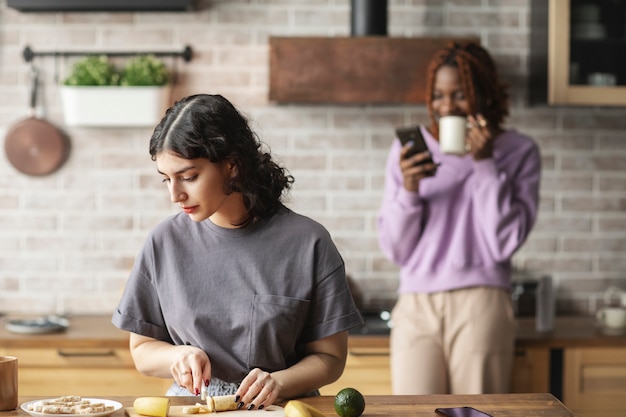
(83, 332)
(98, 331)
(498, 405)
(578, 331)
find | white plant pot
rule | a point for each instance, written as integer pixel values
(114, 106)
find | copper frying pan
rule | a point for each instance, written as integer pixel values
(33, 145)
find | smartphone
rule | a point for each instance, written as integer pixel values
(461, 412)
(414, 134)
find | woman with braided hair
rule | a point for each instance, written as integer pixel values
(452, 225)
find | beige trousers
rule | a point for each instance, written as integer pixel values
(453, 342)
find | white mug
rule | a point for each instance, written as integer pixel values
(8, 383)
(452, 134)
(612, 317)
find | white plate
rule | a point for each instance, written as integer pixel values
(115, 404)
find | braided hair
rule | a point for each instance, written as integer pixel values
(479, 80)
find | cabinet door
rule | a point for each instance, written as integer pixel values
(367, 370)
(82, 371)
(531, 370)
(594, 381)
(583, 42)
(92, 382)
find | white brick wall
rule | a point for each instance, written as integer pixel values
(68, 240)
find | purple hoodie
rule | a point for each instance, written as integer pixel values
(462, 227)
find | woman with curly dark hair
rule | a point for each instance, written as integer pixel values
(236, 294)
(452, 225)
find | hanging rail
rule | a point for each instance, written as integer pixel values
(29, 54)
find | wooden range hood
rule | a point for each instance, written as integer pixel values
(351, 70)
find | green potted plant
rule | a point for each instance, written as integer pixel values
(96, 93)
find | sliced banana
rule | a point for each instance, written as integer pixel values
(221, 403)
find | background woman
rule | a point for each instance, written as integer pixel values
(453, 234)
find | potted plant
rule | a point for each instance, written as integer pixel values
(96, 93)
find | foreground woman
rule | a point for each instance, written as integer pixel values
(236, 292)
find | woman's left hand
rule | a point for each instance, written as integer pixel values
(479, 138)
(258, 390)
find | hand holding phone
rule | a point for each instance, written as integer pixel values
(414, 134)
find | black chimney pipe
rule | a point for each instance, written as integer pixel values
(368, 18)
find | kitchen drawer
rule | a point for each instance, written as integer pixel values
(71, 357)
(594, 381)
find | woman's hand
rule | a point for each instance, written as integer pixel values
(191, 369)
(479, 138)
(258, 390)
(413, 169)
(188, 365)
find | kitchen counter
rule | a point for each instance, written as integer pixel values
(498, 405)
(98, 331)
(83, 332)
(576, 331)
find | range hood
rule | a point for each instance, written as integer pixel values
(101, 5)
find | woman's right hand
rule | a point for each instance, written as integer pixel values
(413, 169)
(191, 369)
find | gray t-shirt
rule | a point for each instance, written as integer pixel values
(249, 297)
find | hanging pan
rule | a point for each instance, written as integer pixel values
(33, 145)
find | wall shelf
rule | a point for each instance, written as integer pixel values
(351, 70)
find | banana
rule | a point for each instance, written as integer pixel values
(221, 403)
(152, 406)
(295, 408)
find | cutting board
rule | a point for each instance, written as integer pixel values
(177, 411)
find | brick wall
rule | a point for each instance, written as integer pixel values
(68, 240)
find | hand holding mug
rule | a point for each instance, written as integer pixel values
(479, 137)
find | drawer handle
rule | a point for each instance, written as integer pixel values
(357, 353)
(86, 354)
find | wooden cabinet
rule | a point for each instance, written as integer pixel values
(531, 370)
(367, 368)
(594, 381)
(91, 359)
(89, 372)
(586, 38)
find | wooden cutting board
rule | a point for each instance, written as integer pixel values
(177, 411)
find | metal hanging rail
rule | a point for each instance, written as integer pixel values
(29, 54)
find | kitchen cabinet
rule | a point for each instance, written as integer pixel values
(575, 362)
(587, 52)
(91, 358)
(594, 381)
(531, 370)
(367, 367)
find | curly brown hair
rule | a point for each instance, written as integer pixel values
(209, 126)
(479, 79)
